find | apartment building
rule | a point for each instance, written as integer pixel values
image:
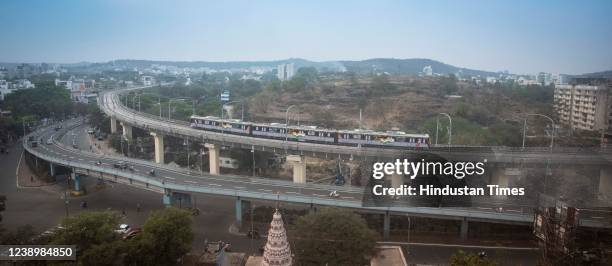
(584, 104)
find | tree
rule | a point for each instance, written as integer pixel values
(88, 229)
(166, 237)
(111, 253)
(469, 259)
(333, 236)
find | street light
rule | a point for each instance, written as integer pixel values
(552, 135)
(450, 128)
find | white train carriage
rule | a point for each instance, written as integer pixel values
(226, 125)
(391, 138)
(314, 134)
(273, 130)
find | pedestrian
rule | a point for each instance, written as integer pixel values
(31, 179)
(123, 211)
(137, 207)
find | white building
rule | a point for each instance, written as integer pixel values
(428, 71)
(79, 88)
(8, 87)
(491, 80)
(285, 71)
(147, 80)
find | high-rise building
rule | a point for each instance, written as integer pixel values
(277, 251)
(584, 104)
(285, 71)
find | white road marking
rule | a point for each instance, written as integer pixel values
(266, 190)
(172, 178)
(347, 197)
(484, 208)
(597, 217)
(292, 192)
(319, 195)
(214, 185)
(239, 187)
(189, 181)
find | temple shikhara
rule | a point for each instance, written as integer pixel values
(277, 251)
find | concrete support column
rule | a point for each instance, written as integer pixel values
(464, 229)
(127, 131)
(386, 225)
(76, 178)
(159, 147)
(113, 122)
(213, 158)
(299, 168)
(397, 180)
(239, 211)
(167, 198)
(499, 177)
(51, 169)
(605, 183)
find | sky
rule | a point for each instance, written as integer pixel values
(520, 36)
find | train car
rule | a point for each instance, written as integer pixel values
(234, 126)
(383, 139)
(273, 130)
(320, 135)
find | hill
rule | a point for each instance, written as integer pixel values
(408, 67)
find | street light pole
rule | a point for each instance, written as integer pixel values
(552, 134)
(524, 132)
(253, 154)
(450, 128)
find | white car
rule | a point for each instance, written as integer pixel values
(123, 228)
(334, 194)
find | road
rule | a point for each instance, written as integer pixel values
(245, 186)
(28, 205)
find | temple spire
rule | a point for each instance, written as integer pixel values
(277, 251)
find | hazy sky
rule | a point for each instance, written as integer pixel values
(519, 36)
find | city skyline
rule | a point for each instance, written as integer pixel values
(570, 38)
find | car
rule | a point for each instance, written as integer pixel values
(120, 165)
(49, 141)
(334, 194)
(152, 172)
(123, 229)
(91, 131)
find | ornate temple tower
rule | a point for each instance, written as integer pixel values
(277, 251)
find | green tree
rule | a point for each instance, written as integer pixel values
(111, 253)
(88, 229)
(469, 259)
(41, 101)
(166, 237)
(333, 236)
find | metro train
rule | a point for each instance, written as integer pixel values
(313, 134)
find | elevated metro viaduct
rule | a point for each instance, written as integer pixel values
(170, 189)
(297, 152)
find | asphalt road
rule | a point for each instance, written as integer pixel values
(28, 205)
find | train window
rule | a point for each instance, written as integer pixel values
(356, 136)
